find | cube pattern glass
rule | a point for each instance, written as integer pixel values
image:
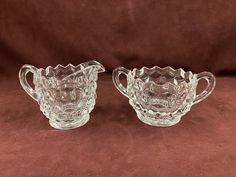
(161, 96)
(66, 94)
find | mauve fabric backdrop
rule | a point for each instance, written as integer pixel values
(196, 35)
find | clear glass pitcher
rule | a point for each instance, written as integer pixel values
(161, 96)
(66, 94)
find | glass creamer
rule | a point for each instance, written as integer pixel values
(66, 94)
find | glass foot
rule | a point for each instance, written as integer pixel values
(160, 122)
(62, 125)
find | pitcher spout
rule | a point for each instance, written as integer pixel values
(86, 66)
(100, 68)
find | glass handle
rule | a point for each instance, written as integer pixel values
(25, 69)
(211, 82)
(116, 79)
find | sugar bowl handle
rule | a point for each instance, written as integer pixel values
(116, 79)
(25, 69)
(211, 82)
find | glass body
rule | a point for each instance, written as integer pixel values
(161, 96)
(66, 94)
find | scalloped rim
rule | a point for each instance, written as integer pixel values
(61, 67)
(188, 75)
(78, 67)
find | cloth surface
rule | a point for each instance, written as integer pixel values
(114, 143)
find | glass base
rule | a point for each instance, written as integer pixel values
(160, 122)
(80, 121)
